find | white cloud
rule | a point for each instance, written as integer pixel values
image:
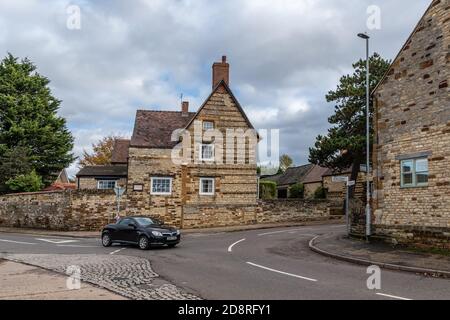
(285, 55)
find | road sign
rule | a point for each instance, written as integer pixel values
(351, 183)
(339, 179)
(119, 191)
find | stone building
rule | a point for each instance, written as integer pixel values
(412, 149)
(181, 162)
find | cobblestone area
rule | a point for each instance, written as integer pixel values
(130, 277)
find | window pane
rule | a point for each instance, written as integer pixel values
(207, 152)
(207, 186)
(208, 125)
(407, 166)
(422, 165)
(161, 185)
(407, 179)
(422, 178)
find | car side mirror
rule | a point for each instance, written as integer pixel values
(132, 225)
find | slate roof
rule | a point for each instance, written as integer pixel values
(103, 171)
(153, 129)
(291, 176)
(120, 151)
(315, 174)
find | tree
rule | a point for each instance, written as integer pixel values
(297, 191)
(101, 154)
(29, 121)
(267, 190)
(285, 162)
(345, 145)
(29, 182)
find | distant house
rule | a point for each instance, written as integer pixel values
(109, 176)
(313, 180)
(412, 147)
(289, 178)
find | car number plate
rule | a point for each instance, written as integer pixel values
(171, 238)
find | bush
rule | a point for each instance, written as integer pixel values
(297, 191)
(30, 182)
(320, 193)
(267, 190)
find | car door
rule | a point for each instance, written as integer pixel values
(131, 232)
(123, 230)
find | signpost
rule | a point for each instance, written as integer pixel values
(119, 191)
(348, 184)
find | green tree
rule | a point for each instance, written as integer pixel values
(267, 190)
(297, 191)
(345, 144)
(29, 121)
(29, 182)
(320, 193)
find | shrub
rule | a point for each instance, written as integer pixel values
(320, 193)
(267, 190)
(30, 182)
(297, 191)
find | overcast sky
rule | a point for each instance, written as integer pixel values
(285, 55)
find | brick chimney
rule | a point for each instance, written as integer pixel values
(221, 71)
(185, 108)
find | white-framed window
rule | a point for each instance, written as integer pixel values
(106, 184)
(414, 173)
(161, 186)
(207, 152)
(208, 125)
(207, 186)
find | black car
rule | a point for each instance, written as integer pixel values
(142, 231)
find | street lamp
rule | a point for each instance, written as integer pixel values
(368, 213)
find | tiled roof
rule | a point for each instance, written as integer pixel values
(291, 176)
(103, 171)
(315, 174)
(120, 151)
(153, 129)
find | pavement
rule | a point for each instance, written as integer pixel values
(268, 264)
(340, 246)
(24, 282)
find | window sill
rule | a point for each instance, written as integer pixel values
(414, 187)
(161, 194)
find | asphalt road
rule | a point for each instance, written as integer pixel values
(259, 264)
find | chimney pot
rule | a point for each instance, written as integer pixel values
(185, 108)
(221, 71)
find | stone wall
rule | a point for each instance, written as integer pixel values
(83, 210)
(412, 119)
(61, 210)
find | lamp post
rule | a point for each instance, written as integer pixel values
(368, 210)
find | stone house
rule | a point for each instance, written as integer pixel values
(181, 162)
(286, 180)
(412, 149)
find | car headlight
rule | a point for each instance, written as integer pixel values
(157, 233)
(178, 232)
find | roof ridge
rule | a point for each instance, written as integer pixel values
(142, 110)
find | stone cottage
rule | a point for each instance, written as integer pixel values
(200, 163)
(412, 149)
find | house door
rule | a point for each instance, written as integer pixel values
(282, 193)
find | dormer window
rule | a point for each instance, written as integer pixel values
(208, 125)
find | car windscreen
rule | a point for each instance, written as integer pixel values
(145, 221)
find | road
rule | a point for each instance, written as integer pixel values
(257, 265)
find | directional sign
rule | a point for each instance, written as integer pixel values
(119, 191)
(340, 179)
(351, 183)
(56, 241)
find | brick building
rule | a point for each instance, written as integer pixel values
(412, 150)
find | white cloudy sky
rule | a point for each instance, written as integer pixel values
(285, 55)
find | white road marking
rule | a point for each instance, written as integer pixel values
(281, 272)
(282, 231)
(75, 246)
(230, 248)
(19, 242)
(393, 297)
(117, 251)
(57, 241)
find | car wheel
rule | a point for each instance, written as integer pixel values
(106, 240)
(171, 245)
(143, 243)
